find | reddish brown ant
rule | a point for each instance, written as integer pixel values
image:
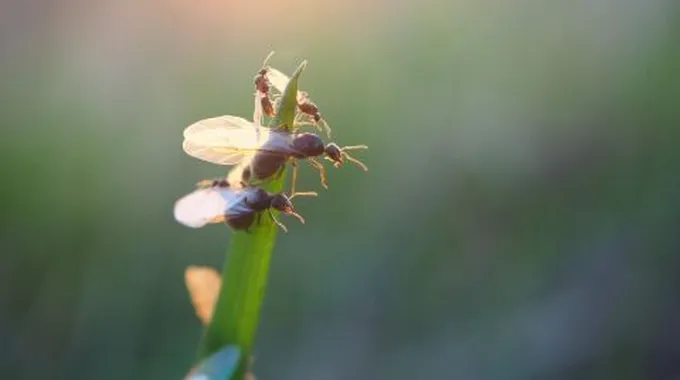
(262, 87)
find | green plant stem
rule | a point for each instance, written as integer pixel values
(246, 268)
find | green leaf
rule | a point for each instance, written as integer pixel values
(286, 112)
(246, 269)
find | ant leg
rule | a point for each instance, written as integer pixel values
(279, 172)
(281, 128)
(317, 125)
(302, 119)
(293, 181)
(257, 112)
(326, 127)
(298, 118)
(205, 183)
(267, 106)
(278, 223)
(295, 128)
(322, 171)
(276, 100)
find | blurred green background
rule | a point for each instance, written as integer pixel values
(519, 220)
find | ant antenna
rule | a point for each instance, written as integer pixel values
(326, 127)
(264, 63)
(278, 223)
(298, 216)
(352, 159)
(304, 194)
(354, 147)
(291, 211)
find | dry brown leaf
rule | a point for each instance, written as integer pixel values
(204, 285)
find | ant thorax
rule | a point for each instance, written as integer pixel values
(258, 199)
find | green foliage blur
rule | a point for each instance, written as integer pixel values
(519, 219)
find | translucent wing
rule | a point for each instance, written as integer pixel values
(229, 140)
(204, 285)
(257, 111)
(210, 205)
(280, 80)
(226, 122)
(223, 140)
(235, 175)
(277, 79)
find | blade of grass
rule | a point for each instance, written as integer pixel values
(246, 269)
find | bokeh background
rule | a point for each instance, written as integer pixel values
(519, 220)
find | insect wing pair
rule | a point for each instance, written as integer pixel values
(238, 207)
(259, 151)
(232, 140)
(211, 205)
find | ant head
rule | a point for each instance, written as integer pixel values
(309, 144)
(282, 203)
(334, 153)
(261, 82)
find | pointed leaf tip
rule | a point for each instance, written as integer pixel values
(285, 114)
(299, 69)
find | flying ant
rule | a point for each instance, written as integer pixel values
(235, 205)
(262, 86)
(259, 152)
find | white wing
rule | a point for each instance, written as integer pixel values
(223, 140)
(210, 205)
(280, 80)
(257, 111)
(277, 79)
(235, 175)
